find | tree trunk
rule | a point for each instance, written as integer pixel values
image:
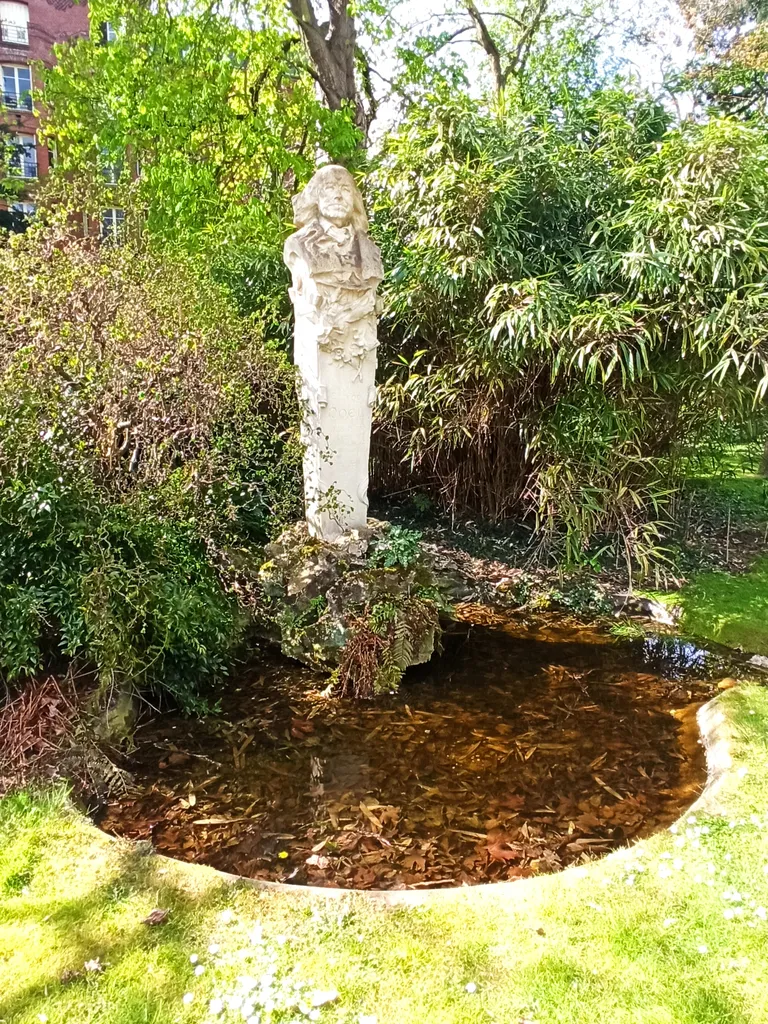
(763, 471)
(332, 49)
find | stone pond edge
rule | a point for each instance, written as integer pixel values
(715, 735)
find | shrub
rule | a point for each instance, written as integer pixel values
(568, 285)
(146, 450)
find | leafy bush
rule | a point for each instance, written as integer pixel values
(569, 283)
(400, 548)
(146, 449)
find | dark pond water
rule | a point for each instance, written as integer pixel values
(525, 747)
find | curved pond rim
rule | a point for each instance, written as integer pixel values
(715, 739)
(513, 737)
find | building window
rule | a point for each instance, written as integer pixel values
(25, 210)
(108, 32)
(23, 160)
(112, 225)
(110, 169)
(17, 87)
(14, 23)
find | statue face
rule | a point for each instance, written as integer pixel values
(336, 201)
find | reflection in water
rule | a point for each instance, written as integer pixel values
(675, 658)
(525, 747)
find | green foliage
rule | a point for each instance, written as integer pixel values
(575, 300)
(400, 548)
(570, 289)
(389, 637)
(145, 448)
(212, 124)
(628, 630)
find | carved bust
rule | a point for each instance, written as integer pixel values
(335, 266)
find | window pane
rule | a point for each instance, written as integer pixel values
(112, 223)
(17, 86)
(14, 18)
(23, 158)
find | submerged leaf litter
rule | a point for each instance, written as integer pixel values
(528, 745)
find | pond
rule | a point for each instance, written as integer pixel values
(528, 745)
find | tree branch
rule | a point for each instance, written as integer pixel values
(486, 41)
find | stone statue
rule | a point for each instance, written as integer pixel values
(336, 269)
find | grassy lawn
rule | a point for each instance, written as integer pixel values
(731, 610)
(672, 932)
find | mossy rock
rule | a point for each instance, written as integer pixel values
(318, 596)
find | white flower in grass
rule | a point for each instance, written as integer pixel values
(213, 949)
(367, 1018)
(762, 913)
(728, 913)
(677, 864)
(692, 819)
(664, 871)
(728, 856)
(320, 998)
(669, 921)
(743, 772)
(226, 917)
(680, 841)
(42, 1018)
(194, 958)
(215, 1006)
(470, 987)
(314, 1015)
(188, 998)
(703, 949)
(199, 970)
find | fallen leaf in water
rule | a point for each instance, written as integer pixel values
(414, 862)
(301, 727)
(514, 802)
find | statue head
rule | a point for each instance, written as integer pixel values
(332, 195)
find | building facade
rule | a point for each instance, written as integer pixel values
(28, 31)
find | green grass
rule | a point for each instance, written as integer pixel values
(729, 609)
(621, 941)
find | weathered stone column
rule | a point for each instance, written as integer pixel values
(336, 270)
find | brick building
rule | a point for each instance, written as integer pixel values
(28, 31)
